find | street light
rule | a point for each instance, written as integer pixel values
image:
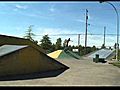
(117, 44)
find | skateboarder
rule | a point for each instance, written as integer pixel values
(66, 44)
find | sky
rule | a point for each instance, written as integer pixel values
(55, 18)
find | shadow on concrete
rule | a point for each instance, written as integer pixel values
(104, 61)
(33, 75)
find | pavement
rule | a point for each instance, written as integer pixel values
(81, 73)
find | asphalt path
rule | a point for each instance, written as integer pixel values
(80, 73)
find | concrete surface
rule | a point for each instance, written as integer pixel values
(81, 73)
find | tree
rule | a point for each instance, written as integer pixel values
(93, 48)
(53, 47)
(73, 47)
(58, 44)
(46, 43)
(70, 48)
(89, 49)
(36, 42)
(64, 43)
(29, 35)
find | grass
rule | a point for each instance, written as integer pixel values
(116, 64)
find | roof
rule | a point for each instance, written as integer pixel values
(103, 53)
(6, 49)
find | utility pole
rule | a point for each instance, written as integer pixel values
(117, 28)
(86, 32)
(78, 40)
(104, 35)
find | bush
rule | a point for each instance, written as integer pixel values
(116, 64)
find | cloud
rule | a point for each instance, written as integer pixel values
(52, 8)
(80, 20)
(97, 40)
(21, 6)
(89, 16)
(15, 9)
(55, 33)
(84, 18)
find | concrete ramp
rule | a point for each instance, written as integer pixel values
(55, 54)
(20, 60)
(73, 54)
(103, 53)
(61, 54)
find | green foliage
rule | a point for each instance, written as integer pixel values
(46, 43)
(116, 64)
(29, 35)
(58, 44)
(36, 42)
(53, 47)
(64, 43)
(118, 55)
(94, 48)
(70, 48)
(89, 49)
(81, 49)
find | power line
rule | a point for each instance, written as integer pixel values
(73, 34)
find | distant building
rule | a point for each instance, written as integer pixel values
(75, 50)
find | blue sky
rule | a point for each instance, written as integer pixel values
(59, 18)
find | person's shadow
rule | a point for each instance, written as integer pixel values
(38, 75)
